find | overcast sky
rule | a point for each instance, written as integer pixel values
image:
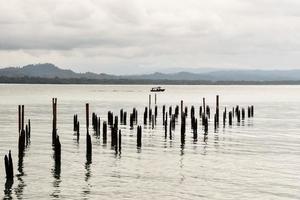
(118, 36)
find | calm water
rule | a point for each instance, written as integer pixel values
(258, 159)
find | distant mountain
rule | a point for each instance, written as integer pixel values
(48, 70)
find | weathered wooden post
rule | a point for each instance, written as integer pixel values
(22, 117)
(181, 107)
(125, 118)
(139, 136)
(120, 140)
(224, 117)
(230, 118)
(54, 120)
(57, 150)
(155, 99)
(77, 130)
(149, 101)
(121, 116)
(170, 110)
(200, 111)
(252, 111)
(243, 113)
(217, 110)
(88, 137)
(183, 118)
(204, 106)
(104, 132)
(9, 169)
(205, 126)
(163, 113)
(19, 118)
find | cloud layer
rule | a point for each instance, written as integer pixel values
(121, 35)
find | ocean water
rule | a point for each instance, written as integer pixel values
(256, 159)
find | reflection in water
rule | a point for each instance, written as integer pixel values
(88, 170)
(20, 188)
(181, 149)
(86, 190)
(56, 170)
(8, 190)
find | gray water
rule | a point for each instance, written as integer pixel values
(256, 159)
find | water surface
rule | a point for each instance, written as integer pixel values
(257, 159)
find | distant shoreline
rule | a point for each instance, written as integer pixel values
(80, 81)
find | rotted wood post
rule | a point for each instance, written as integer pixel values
(139, 136)
(200, 111)
(204, 106)
(77, 131)
(224, 117)
(163, 113)
(88, 137)
(116, 139)
(21, 144)
(57, 150)
(249, 112)
(170, 110)
(87, 116)
(230, 118)
(195, 128)
(205, 126)
(22, 117)
(125, 118)
(54, 120)
(149, 101)
(104, 132)
(121, 116)
(181, 107)
(9, 169)
(120, 140)
(155, 99)
(145, 115)
(131, 121)
(217, 110)
(252, 111)
(182, 130)
(155, 113)
(166, 128)
(243, 113)
(19, 118)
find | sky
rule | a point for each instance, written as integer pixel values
(136, 36)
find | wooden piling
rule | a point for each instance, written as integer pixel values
(104, 132)
(19, 118)
(230, 118)
(22, 117)
(120, 140)
(139, 136)
(9, 166)
(217, 109)
(57, 150)
(87, 117)
(88, 146)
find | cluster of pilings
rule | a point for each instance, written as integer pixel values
(169, 121)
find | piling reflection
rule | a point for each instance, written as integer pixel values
(56, 173)
(8, 189)
(21, 184)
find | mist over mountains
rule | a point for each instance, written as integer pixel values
(50, 71)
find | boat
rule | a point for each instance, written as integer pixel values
(157, 89)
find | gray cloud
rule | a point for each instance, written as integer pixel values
(95, 35)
